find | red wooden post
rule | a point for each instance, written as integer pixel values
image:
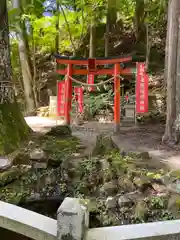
(68, 93)
(117, 97)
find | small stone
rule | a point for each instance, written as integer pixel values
(144, 155)
(123, 153)
(65, 176)
(174, 205)
(141, 210)
(159, 187)
(30, 143)
(40, 165)
(126, 184)
(5, 164)
(59, 131)
(139, 181)
(75, 154)
(111, 202)
(37, 154)
(109, 188)
(20, 158)
(34, 196)
(129, 198)
(104, 164)
(123, 201)
(174, 187)
(80, 146)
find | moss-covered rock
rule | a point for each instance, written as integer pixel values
(59, 150)
(12, 174)
(19, 157)
(104, 143)
(60, 131)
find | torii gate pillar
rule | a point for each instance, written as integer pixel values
(117, 97)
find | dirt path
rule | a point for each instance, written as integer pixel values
(135, 139)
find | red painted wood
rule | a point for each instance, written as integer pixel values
(126, 71)
(98, 61)
(91, 65)
(68, 93)
(141, 89)
(61, 98)
(116, 95)
(90, 80)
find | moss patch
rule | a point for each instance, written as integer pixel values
(13, 128)
(11, 175)
(49, 180)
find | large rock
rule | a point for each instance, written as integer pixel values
(20, 158)
(128, 198)
(60, 131)
(104, 143)
(12, 174)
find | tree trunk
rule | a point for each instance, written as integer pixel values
(166, 50)
(139, 18)
(92, 42)
(178, 88)
(26, 64)
(57, 27)
(112, 12)
(26, 74)
(13, 127)
(107, 31)
(171, 71)
(111, 19)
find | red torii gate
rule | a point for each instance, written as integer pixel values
(116, 71)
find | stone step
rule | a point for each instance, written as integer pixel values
(127, 122)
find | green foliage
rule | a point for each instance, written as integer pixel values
(98, 102)
(75, 19)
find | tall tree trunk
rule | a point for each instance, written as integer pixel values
(26, 73)
(171, 71)
(107, 39)
(166, 49)
(26, 64)
(111, 19)
(13, 127)
(139, 20)
(92, 42)
(178, 88)
(112, 12)
(57, 27)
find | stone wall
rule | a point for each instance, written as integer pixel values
(72, 224)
